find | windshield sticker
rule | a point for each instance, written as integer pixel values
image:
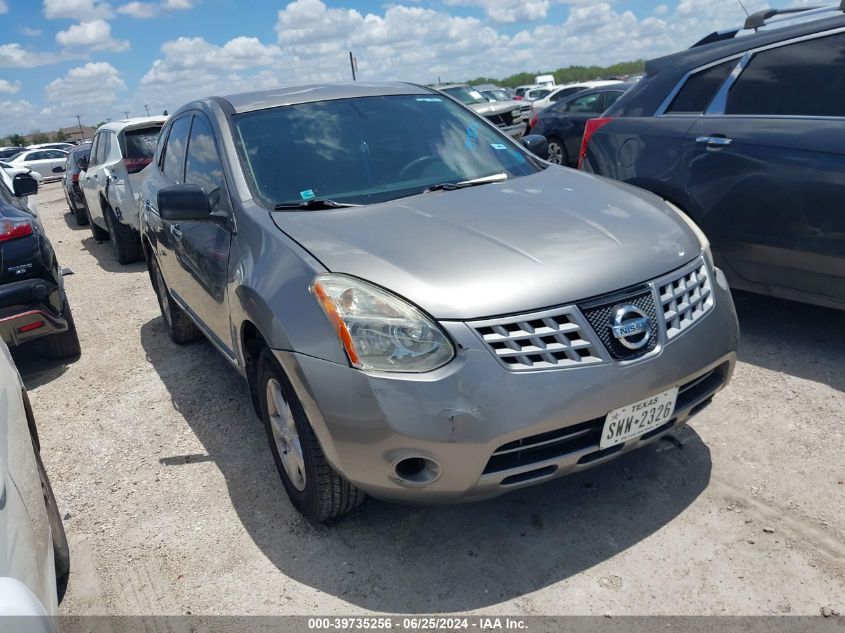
(471, 141)
(308, 194)
(430, 99)
(498, 146)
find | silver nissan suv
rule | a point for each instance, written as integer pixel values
(425, 310)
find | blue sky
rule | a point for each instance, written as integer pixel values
(59, 58)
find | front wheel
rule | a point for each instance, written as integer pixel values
(313, 486)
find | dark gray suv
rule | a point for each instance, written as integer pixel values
(747, 135)
(424, 310)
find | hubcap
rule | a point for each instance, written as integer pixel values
(555, 154)
(285, 434)
(163, 301)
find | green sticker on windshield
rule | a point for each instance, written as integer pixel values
(308, 194)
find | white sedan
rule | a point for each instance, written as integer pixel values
(41, 160)
(561, 92)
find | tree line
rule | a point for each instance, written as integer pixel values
(568, 75)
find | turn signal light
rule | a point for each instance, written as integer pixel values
(592, 126)
(13, 229)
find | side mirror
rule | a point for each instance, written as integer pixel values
(536, 144)
(58, 169)
(82, 161)
(24, 185)
(184, 202)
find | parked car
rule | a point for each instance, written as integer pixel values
(506, 115)
(77, 157)
(33, 303)
(562, 92)
(496, 94)
(563, 123)
(13, 170)
(414, 298)
(40, 160)
(746, 134)
(520, 91)
(36, 558)
(66, 147)
(110, 180)
(7, 153)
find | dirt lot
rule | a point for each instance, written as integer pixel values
(174, 504)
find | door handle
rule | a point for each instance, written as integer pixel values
(714, 141)
(176, 231)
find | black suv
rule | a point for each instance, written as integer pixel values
(32, 297)
(747, 135)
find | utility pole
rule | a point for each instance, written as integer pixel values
(352, 65)
(81, 131)
(126, 112)
(147, 108)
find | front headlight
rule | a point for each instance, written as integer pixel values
(702, 238)
(378, 330)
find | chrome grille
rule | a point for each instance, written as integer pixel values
(542, 340)
(685, 298)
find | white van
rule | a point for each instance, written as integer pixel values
(545, 80)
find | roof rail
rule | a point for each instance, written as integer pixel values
(766, 17)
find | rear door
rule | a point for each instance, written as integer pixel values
(202, 248)
(97, 175)
(767, 168)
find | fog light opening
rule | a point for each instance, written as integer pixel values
(416, 470)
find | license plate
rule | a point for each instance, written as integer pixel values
(640, 417)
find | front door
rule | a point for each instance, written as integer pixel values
(201, 249)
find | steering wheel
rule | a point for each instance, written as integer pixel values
(417, 163)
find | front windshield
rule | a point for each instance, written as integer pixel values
(371, 149)
(465, 95)
(498, 95)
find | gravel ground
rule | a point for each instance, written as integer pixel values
(174, 505)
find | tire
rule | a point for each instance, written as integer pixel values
(81, 215)
(99, 234)
(557, 152)
(179, 325)
(322, 494)
(65, 344)
(125, 241)
(61, 551)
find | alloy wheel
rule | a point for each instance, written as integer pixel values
(285, 434)
(555, 153)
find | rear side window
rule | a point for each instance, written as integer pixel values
(803, 79)
(611, 97)
(174, 149)
(700, 88)
(590, 103)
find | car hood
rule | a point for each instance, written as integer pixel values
(493, 107)
(547, 239)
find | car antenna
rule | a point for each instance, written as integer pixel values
(747, 14)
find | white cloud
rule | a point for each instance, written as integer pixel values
(142, 10)
(178, 5)
(95, 35)
(9, 87)
(507, 10)
(4, 8)
(661, 9)
(76, 9)
(90, 91)
(29, 32)
(14, 55)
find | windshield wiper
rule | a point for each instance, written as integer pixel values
(314, 204)
(483, 180)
